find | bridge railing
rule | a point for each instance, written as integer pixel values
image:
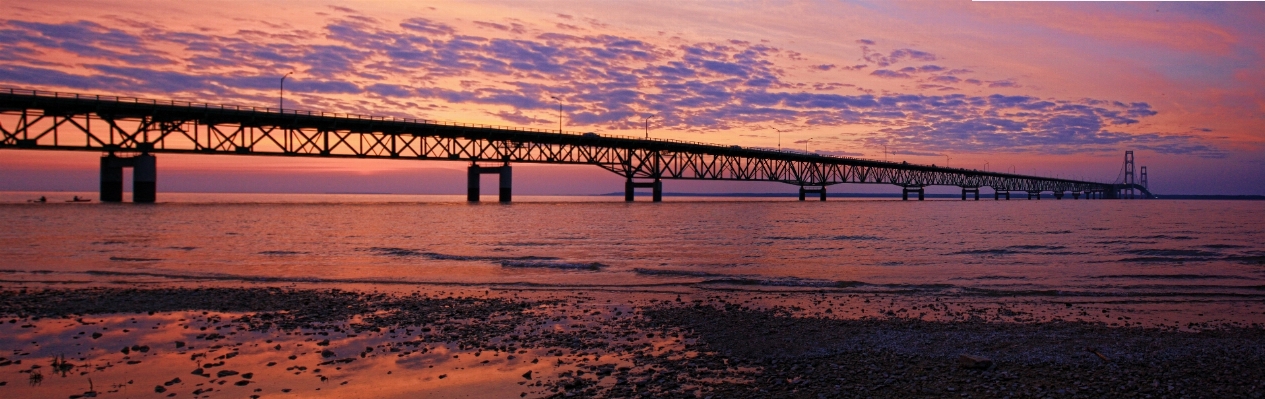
(189, 104)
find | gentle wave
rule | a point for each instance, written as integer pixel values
(830, 238)
(1174, 276)
(403, 252)
(126, 259)
(551, 264)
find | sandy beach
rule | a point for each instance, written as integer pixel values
(366, 341)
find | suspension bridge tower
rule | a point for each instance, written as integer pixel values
(1128, 173)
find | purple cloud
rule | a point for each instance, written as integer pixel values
(883, 73)
(605, 81)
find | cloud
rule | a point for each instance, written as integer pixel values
(604, 81)
(883, 73)
(895, 56)
(1002, 83)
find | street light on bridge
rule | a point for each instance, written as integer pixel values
(281, 97)
(647, 119)
(779, 138)
(559, 113)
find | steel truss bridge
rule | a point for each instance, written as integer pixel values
(129, 131)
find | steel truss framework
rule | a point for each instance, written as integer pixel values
(60, 121)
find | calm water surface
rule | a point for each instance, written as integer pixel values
(1141, 251)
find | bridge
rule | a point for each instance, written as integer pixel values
(130, 131)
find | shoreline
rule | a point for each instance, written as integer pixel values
(453, 341)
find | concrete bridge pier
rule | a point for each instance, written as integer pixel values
(804, 190)
(905, 190)
(1076, 195)
(656, 186)
(506, 181)
(998, 193)
(1058, 195)
(144, 178)
(1036, 194)
(112, 178)
(966, 190)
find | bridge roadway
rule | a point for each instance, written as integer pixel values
(129, 131)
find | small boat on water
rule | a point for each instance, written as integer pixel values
(77, 199)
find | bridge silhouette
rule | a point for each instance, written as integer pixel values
(130, 131)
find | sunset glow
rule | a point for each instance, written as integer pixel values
(1038, 88)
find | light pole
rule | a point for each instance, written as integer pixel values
(946, 160)
(779, 138)
(281, 97)
(559, 112)
(1012, 169)
(985, 166)
(806, 144)
(884, 152)
(648, 126)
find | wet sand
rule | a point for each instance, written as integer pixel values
(256, 340)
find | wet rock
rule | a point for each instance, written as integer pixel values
(225, 373)
(159, 389)
(179, 344)
(328, 353)
(974, 362)
(527, 375)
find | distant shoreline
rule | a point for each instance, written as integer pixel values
(678, 194)
(896, 195)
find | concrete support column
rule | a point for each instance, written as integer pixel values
(507, 180)
(658, 190)
(823, 193)
(1076, 195)
(472, 183)
(802, 193)
(1058, 195)
(111, 179)
(144, 179)
(973, 190)
(904, 193)
(628, 190)
(996, 195)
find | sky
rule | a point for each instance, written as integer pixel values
(1055, 89)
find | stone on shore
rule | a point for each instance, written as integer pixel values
(974, 362)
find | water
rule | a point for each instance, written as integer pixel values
(1184, 255)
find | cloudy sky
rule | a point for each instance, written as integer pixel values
(1051, 89)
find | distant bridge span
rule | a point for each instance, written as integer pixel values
(130, 130)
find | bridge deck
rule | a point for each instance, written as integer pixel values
(61, 121)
